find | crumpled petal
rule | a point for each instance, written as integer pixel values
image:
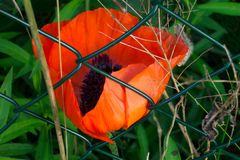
(152, 81)
(147, 58)
(110, 111)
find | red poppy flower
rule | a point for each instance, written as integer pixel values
(95, 104)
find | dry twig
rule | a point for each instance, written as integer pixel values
(46, 74)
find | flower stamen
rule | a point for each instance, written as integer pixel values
(93, 82)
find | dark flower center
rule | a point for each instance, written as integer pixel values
(93, 82)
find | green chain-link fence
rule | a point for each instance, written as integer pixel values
(156, 4)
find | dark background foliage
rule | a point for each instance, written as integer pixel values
(21, 79)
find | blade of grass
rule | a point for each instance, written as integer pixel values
(9, 35)
(172, 152)
(204, 44)
(44, 146)
(142, 141)
(9, 62)
(69, 10)
(36, 76)
(9, 158)
(210, 23)
(16, 149)
(14, 51)
(19, 128)
(227, 8)
(6, 88)
(24, 70)
(229, 154)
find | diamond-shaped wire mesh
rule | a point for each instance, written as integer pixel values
(83, 60)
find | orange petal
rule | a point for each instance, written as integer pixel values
(81, 34)
(69, 104)
(109, 113)
(152, 81)
(117, 107)
(46, 42)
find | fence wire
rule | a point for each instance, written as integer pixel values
(156, 4)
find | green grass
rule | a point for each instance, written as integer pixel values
(21, 79)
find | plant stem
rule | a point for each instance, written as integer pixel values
(46, 74)
(113, 147)
(183, 130)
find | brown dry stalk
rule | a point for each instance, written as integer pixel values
(46, 75)
(159, 130)
(165, 147)
(208, 148)
(183, 129)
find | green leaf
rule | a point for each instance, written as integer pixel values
(19, 128)
(113, 147)
(142, 141)
(212, 24)
(227, 8)
(200, 47)
(14, 51)
(197, 17)
(187, 2)
(199, 65)
(10, 158)
(69, 10)
(71, 139)
(63, 119)
(204, 44)
(24, 70)
(36, 76)
(219, 0)
(231, 155)
(44, 146)
(6, 89)
(15, 149)
(172, 150)
(9, 62)
(9, 35)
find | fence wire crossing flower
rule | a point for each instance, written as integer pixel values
(95, 104)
